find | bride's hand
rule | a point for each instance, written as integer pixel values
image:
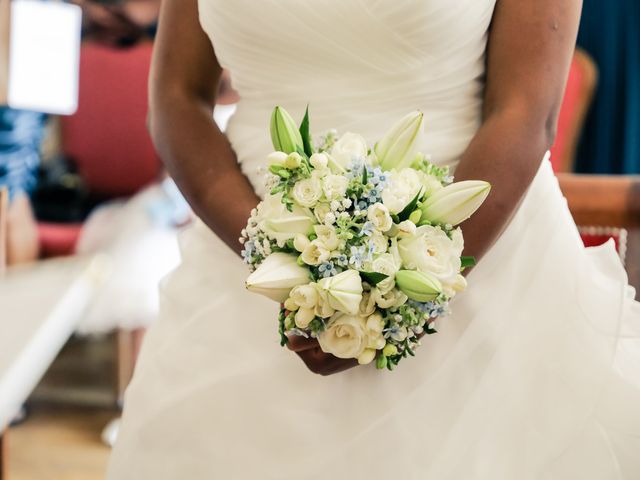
(308, 349)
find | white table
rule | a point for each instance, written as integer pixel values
(40, 306)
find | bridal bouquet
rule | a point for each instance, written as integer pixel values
(361, 247)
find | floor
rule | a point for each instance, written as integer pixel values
(59, 443)
(60, 438)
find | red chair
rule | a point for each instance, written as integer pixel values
(107, 137)
(604, 206)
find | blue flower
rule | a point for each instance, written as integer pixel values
(357, 257)
(367, 229)
(327, 269)
(342, 260)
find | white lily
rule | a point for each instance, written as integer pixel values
(398, 147)
(418, 286)
(455, 203)
(276, 276)
(343, 291)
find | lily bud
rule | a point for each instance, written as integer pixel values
(276, 276)
(455, 203)
(343, 291)
(398, 147)
(284, 132)
(418, 286)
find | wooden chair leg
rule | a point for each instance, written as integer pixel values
(3, 456)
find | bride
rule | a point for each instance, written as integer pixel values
(536, 375)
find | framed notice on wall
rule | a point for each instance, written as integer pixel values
(39, 55)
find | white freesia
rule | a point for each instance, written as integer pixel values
(344, 291)
(323, 309)
(455, 203)
(305, 296)
(321, 211)
(327, 236)
(315, 253)
(367, 356)
(307, 192)
(293, 161)
(279, 223)
(345, 336)
(276, 158)
(378, 215)
(276, 276)
(300, 242)
(375, 327)
(390, 299)
(398, 148)
(335, 186)
(431, 251)
(367, 304)
(458, 285)
(303, 317)
(406, 229)
(388, 266)
(401, 188)
(348, 148)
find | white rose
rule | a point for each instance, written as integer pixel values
(279, 223)
(388, 266)
(321, 211)
(431, 251)
(307, 192)
(379, 216)
(303, 317)
(327, 236)
(315, 253)
(335, 186)
(345, 336)
(379, 241)
(406, 229)
(401, 188)
(349, 147)
(305, 296)
(458, 285)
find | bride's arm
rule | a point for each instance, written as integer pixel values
(183, 85)
(530, 48)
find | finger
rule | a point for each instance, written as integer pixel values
(298, 343)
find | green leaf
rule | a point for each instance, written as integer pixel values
(373, 278)
(306, 136)
(365, 175)
(408, 210)
(468, 261)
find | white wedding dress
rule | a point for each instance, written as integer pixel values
(536, 375)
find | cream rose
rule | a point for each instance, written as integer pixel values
(349, 147)
(345, 336)
(307, 192)
(392, 298)
(321, 211)
(379, 216)
(431, 251)
(335, 187)
(401, 189)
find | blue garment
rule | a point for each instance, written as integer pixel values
(21, 134)
(610, 32)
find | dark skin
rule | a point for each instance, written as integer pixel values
(529, 53)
